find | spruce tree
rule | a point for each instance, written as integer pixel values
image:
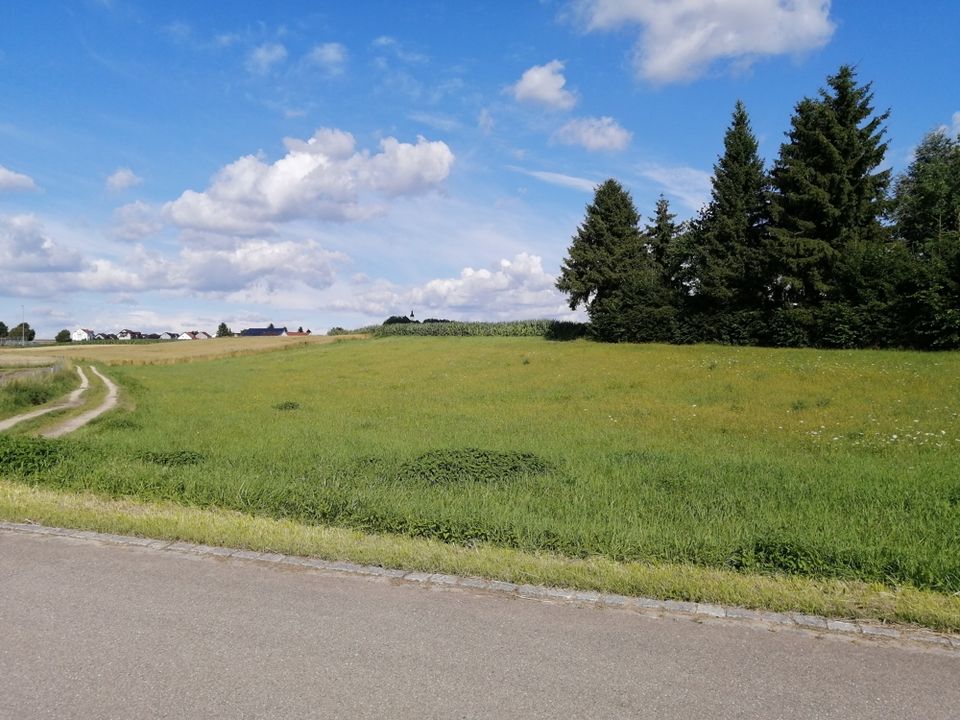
(926, 199)
(926, 213)
(606, 249)
(829, 196)
(649, 297)
(729, 243)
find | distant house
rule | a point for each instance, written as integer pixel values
(152, 336)
(105, 336)
(263, 332)
(194, 335)
(169, 336)
(82, 335)
(296, 333)
(126, 334)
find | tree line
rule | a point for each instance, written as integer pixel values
(19, 332)
(825, 249)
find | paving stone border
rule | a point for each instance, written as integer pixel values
(680, 609)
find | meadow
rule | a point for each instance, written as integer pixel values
(825, 464)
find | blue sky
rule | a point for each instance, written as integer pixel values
(168, 166)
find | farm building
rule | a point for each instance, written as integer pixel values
(263, 332)
(82, 335)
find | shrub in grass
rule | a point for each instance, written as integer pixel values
(472, 465)
(173, 458)
(287, 405)
(117, 423)
(29, 455)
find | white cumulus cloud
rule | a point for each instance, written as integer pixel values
(122, 179)
(270, 264)
(136, 220)
(544, 84)
(603, 133)
(324, 177)
(680, 39)
(509, 290)
(26, 247)
(517, 288)
(263, 58)
(10, 180)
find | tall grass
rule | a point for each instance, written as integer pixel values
(34, 387)
(840, 464)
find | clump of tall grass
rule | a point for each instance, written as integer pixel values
(38, 387)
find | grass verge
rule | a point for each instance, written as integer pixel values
(170, 521)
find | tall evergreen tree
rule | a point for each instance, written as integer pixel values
(649, 296)
(660, 235)
(729, 243)
(829, 196)
(926, 198)
(606, 249)
(926, 213)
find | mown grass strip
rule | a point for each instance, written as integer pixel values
(170, 521)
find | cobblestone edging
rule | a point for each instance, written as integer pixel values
(692, 610)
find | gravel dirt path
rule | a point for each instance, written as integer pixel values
(73, 399)
(79, 421)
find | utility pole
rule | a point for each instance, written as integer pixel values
(23, 327)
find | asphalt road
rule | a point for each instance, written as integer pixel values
(95, 630)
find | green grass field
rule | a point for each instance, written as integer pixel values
(822, 464)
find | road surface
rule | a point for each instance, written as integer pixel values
(90, 629)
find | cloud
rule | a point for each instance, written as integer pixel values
(439, 122)
(122, 179)
(515, 287)
(603, 133)
(400, 51)
(324, 178)
(269, 266)
(689, 185)
(262, 59)
(330, 56)
(950, 131)
(26, 247)
(544, 84)
(485, 121)
(680, 40)
(257, 262)
(10, 180)
(136, 221)
(567, 181)
(510, 289)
